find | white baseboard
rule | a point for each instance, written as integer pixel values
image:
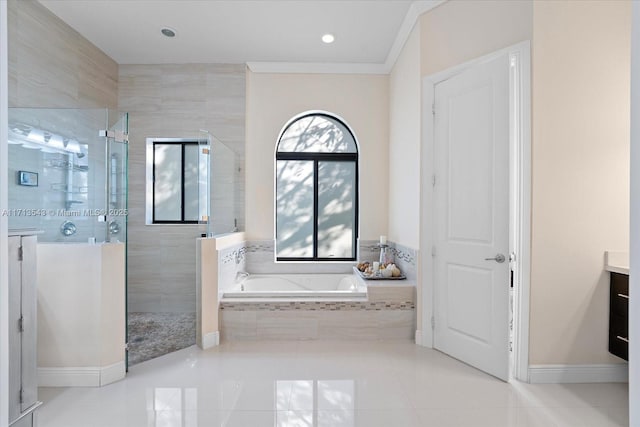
(112, 373)
(611, 373)
(81, 377)
(211, 339)
(418, 337)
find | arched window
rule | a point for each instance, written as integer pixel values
(316, 190)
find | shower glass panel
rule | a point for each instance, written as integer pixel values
(225, 182)
(218, 186)
(67, 173)
(204, 172)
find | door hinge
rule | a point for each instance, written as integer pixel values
(126, 346)
(117, 135)
(433, 108)
(433, 322)
(20, 252)
(21, 324)
(21, 395)
(433, 180)
(433, 251)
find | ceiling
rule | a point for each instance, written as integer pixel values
(242, 31)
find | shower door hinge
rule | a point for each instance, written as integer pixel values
(117, 135)
(433, 180)
(20, 253)
(21, 395)
(21, 324)
(433, 108)
(433, 322)
(126, 346)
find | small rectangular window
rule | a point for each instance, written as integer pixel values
(172, 181)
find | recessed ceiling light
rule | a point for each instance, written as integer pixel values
(169, 32)
(328, 38)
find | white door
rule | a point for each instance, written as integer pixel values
(471, 217)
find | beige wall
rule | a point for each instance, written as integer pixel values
(460, 30)
(173, 101)
(405, 99)
(52, 65)
(580, 151)
(405, 125)
(580, 204)
(361, 100)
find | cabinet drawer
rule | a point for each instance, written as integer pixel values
(619, 284)
(619, 304)
(618, 325)
(618, 334)
(618, 347)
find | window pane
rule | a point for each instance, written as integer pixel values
(191, 182)
(317, 134)
(294, 208)
(336, 209)
(167, 184)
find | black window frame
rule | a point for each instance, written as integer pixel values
(316, 158)
(183, 144)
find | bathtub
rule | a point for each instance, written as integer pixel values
(303, 286)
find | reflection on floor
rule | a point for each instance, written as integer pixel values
(310, 383)
(154, 334)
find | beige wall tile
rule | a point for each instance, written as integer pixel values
(51, 65)
(173, 101)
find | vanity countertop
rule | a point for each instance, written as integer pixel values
(616, 262)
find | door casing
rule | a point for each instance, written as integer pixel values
(519, 189)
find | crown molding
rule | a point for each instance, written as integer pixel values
(416, 9)
(317, 68)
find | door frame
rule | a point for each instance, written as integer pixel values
(520, 197)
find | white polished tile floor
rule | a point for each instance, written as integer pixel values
(303, 384)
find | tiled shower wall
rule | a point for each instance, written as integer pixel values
(175, 101)
(52, 66)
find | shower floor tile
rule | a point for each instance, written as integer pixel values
(155, 334)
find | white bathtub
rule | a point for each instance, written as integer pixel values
(298, 286)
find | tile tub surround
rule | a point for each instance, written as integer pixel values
(388, 314)
(260, 259)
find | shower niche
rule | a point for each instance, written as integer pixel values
(68, 173)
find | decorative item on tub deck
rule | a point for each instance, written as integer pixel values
(386, 255)
(383, 271)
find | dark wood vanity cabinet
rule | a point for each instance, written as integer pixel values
(619, 315)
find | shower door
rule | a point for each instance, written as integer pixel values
(116, 194)
(116, 178)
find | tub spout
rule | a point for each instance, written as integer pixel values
(241, 275)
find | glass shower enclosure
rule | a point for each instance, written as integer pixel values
(68, 174)
(220, 187)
